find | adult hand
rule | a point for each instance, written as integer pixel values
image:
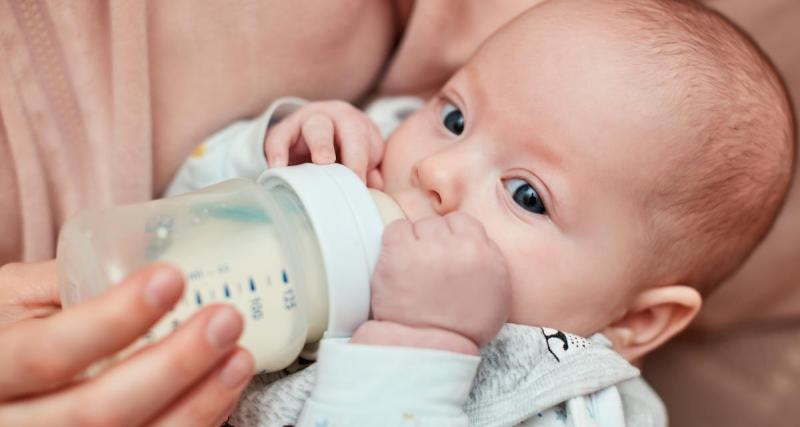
(192, 377)
(28, 291)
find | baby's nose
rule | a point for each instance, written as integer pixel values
(442, 185)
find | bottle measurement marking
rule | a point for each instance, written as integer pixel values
(227, 290)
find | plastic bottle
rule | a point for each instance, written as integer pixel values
(293, 252)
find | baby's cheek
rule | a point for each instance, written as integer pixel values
(542, 290)
(395, 162)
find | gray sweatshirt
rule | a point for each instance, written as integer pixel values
(527, 376)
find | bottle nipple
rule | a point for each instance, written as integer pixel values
(388, 209)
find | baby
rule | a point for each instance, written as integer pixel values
(596, 167)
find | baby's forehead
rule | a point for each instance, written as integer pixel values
(549, 47)
(570, 71)
(581, 99)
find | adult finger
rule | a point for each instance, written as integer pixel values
(317, 132)
(139, 388)
(40, 354)
(212, 400)
(28, 290)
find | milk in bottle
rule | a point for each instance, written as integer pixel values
(293, 252)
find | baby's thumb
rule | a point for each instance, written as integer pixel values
(375, 179)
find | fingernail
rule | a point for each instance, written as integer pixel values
(163, 288)
(238, 369)
(224, 328)
(227, 413)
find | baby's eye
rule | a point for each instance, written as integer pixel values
(452, 119)
(525, 195)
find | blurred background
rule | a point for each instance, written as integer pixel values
(739, 365)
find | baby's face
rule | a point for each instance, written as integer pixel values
(542, 138)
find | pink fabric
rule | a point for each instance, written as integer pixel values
(100, 101)
(76, 131)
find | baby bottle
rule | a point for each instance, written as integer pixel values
(293, 252)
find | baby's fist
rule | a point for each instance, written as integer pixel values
(443, 273)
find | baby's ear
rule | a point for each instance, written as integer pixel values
(654, 316)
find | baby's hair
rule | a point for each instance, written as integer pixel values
(722, 195)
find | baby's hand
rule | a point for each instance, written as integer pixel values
(318, 130)
(437, 276)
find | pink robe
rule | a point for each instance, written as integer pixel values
(100, 101)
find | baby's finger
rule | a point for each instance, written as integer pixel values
(432, 226)
(375, 179)
(211, 401)
(461, 223)
(44, 353)
(317, 132)
(398, 231)
(354, 144)
(280, 139)
(376, 145)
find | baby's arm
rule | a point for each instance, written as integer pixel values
(291, 131)
(439, 292)
(236, 151)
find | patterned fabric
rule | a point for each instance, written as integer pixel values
(525, 374)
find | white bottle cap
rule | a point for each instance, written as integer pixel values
(348, 227)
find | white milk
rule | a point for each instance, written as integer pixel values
(255, 279)
(292, 253)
